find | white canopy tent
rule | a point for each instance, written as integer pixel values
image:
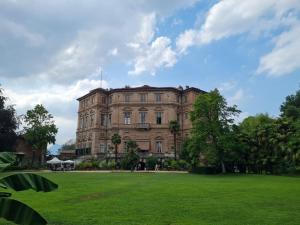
(55, 164)
(55, 160)
(70, 162)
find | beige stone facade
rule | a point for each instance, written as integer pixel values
(141, 114)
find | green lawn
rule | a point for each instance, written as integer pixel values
(148, 198)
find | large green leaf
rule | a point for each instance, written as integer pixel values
(4, 194)
(3, 166)
(6, 159)
(19, 213)
(25, 181)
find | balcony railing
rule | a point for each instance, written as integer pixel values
(145, 126)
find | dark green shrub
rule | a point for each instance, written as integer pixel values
(131, 159)
(95, 164)
(84, 166)
(183, 165)
(151, 162)
(106, 165)
(174, 165)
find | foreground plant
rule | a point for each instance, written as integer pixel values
(14, 210)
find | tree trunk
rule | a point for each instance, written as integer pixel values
(42, 158)
(116, 154)
(32, 158)
(223, 167)
(175, 153)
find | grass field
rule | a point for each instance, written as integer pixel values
(165, 199)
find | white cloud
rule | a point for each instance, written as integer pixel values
(227, 86)
(158, 54)
(285, 57)
(147, 31)
(186, 40)
(20, 32)
(72, 42)
(59, 100)
(113, 52)
(66, 128)
(151, 54)
(255, 17)
(238, 96)
(55, 50)
(53, 95)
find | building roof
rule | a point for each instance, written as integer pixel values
(141, 88)
(67, 151)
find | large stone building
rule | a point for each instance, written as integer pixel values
(141, 114)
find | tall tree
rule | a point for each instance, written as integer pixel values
(8, 124)
(291, 107)
(259, 132)
(39, 130)
(131, 158)
(290, 113)
(174, 128)
(212, 121)
(116, 140)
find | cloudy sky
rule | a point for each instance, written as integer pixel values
(52, 52)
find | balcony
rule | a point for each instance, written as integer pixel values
(143, 126)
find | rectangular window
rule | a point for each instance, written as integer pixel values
(81, 122)
(178, 117)
(102, 148)
(127, 117)
(184, 98)
(86, 122)
(92, 121)
(109, 119)
(125, 146)
(110, 99)
(186, 115)
(143, 117)
(158, 97)
(103, 120)
(127, 98)
(178, 98)
(143, 97)
(103, 100)
(158, 146)
(159, 116)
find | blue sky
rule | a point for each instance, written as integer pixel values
(53, 52)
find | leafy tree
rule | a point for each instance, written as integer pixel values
(174, 128)
(290, 117)
(40, 130)
(8, 125)
(116, 140)
(212, 122)
(131, 158)
(291, 107)
(14, 210)
(258, 132)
